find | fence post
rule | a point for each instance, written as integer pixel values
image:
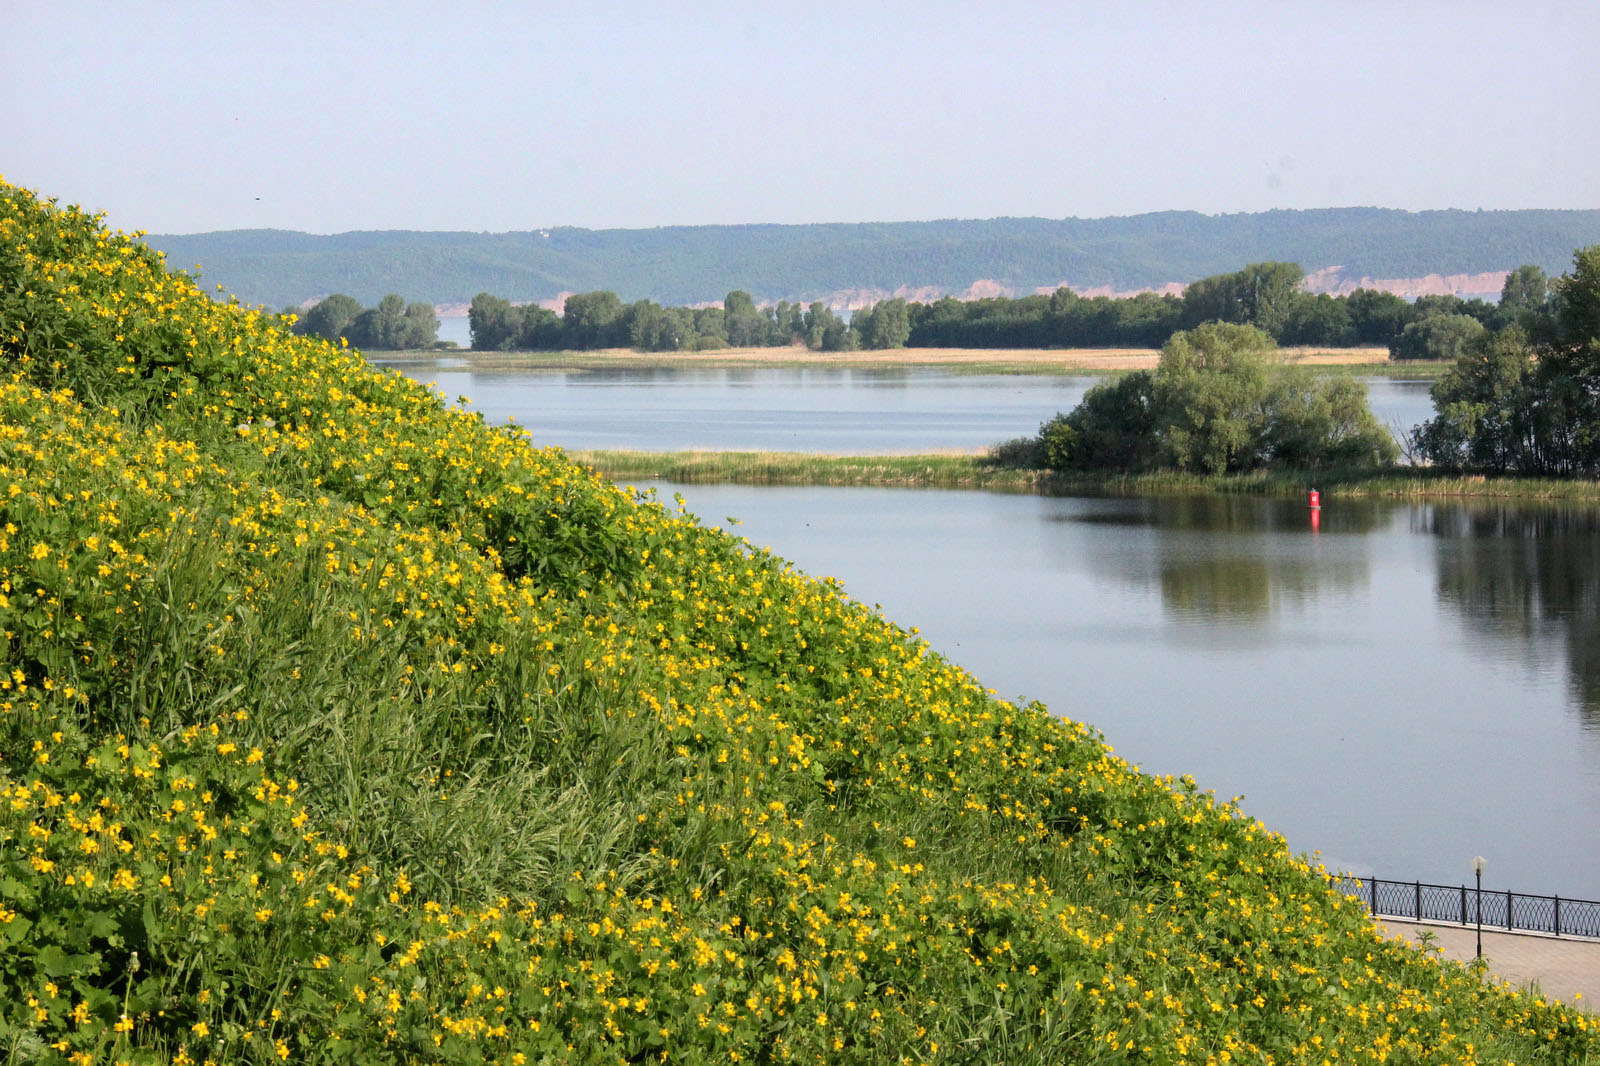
(1372, 890)
(1558, 916)
(1418, 904)
(1463, 904)
(1508, 908)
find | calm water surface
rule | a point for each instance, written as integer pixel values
(859, 412)
(1403, 688)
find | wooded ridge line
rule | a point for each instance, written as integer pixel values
(839, 262)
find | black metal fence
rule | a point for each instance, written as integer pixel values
(1460, 904)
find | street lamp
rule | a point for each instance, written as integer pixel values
(1478, 866)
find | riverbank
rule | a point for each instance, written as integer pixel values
(973, 471)
(1061, 361)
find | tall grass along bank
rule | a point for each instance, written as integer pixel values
(337, 726)
(955, 471)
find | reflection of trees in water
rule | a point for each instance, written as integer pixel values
(1236, 514)
(1237, 587)
(1232, 587)
(1532, 573)
(1234, 559)
(1252, 514)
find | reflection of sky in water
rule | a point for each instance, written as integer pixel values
(790, 409)
(1359, 685)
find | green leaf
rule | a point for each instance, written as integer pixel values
(100, 923)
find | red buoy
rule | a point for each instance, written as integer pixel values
(1316, 500)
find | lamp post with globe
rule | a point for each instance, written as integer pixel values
(1478, 866)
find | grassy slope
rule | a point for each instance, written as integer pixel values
(336, 726)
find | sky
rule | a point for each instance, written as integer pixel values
(179, 117)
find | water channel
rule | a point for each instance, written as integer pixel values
(1400, 688)
(825, 409)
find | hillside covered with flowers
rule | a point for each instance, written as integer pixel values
(338, 726)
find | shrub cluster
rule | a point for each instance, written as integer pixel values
(1217, 404)
(336, 726)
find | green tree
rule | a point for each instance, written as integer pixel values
(677, 330)
(645, 321)
(420, 328)
(1438, 336)
(591, 320)
(1314, 421)
(1430, 305)
(887, 324)
(1211, 386)
(492, 324)
(537, 329)
(790, 322)
(1114, 427)
(1268, 293)
(1526, 289)
(1212, 299)
(1215, 403)
(741, 321)
(1527, 405)
(1485, 407)
(1260, 295)
(825, 331)
(1577, 296)
(1376, 317)
(382, 327)
(710, 328)
(1320, 319)
(330, 318)
(1570, 365)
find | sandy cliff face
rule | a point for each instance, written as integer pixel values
(1336, 280)
(1333, 279)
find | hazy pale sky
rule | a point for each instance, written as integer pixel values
(180, 117)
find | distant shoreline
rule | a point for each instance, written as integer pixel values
(1058, 361)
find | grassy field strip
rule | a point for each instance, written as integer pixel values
(967, 471)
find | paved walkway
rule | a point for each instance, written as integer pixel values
(1563, 968)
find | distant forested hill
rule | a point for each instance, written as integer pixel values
(690, 264)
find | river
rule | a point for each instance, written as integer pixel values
(824, 409)
(1400, 687)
